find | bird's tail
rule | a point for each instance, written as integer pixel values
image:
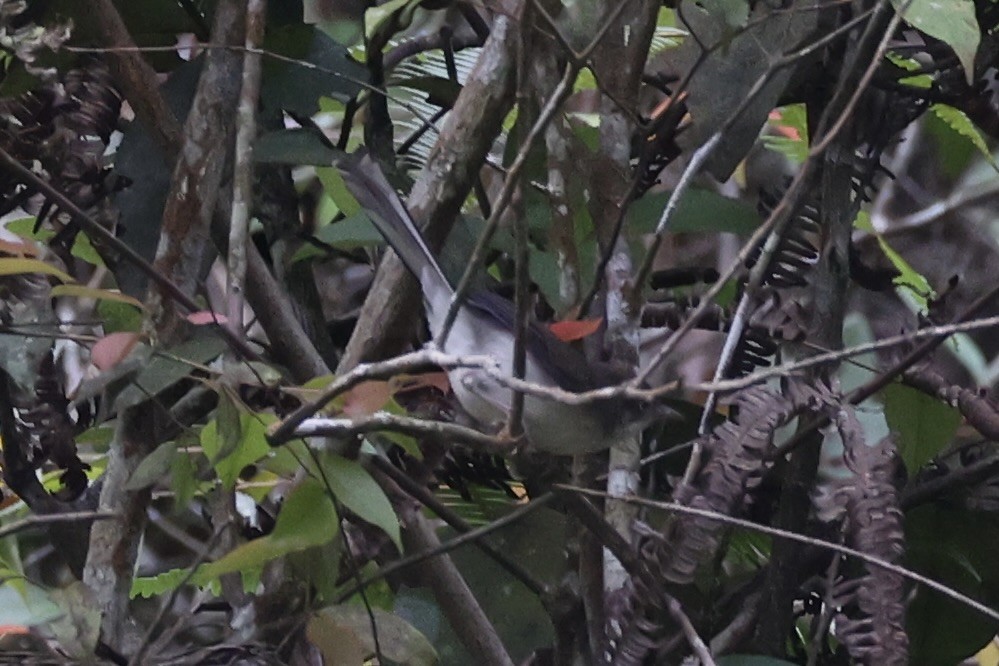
(378, 198)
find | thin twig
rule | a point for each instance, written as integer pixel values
(447, 547)
(43, 520)
(242, 180)
(800, 538)
(690, 633)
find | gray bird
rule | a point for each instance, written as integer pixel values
(485, 324)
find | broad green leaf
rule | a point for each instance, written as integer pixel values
(956, 548)
(295, 147)
(335, 188)
(297, 88)
(919, 287)
(154, 586)
(153, 467)
(699, 211)
(374, 17)
(25, 604)
(19, 265)
(119, 317)
(350, 233)
(952, 22)
(924, 425)
(731, 13)
(183, 471)
(791, 133)
(167, 368)
(233, 440)
(958, 121)
(308, 518)
(357, 491)
(348, 627)
(85, 250)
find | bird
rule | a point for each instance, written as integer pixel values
(485, 325)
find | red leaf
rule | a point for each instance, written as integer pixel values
(366, 398)
(573, 329)
(203, 317)
(110, 350)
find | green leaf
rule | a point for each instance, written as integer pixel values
(308, 518)
(924, 425)
(297, 88)
(85, 250)
(166, 369)
(25, 604)
(19, 265)
(958, 121)
(699, 210)
(793, 120)
(295, 147)
(731, 13)
(153, 467)
(153, 586)
(336, 629)
(908, 277)
(183, 471)
(334, 186)
(951, 22)
(351, 232)
(234, 439)
(357, 491)
(119, 317)
(956, 548)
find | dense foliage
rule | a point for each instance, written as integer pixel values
(765, 223)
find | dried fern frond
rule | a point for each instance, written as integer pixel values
(870, 620)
